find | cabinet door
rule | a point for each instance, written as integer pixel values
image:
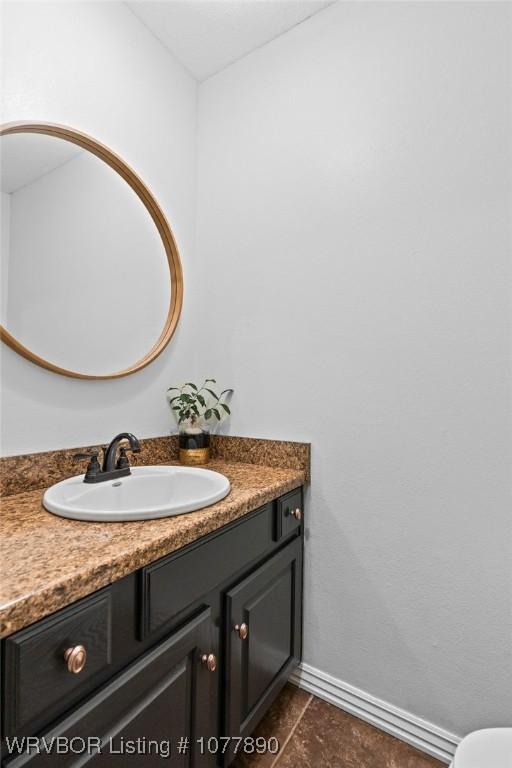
(263, 637)
(167, 696)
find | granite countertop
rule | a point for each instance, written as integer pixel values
(48, 562)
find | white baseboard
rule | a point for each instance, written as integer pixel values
(405, 726)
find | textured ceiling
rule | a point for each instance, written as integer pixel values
(207, 35)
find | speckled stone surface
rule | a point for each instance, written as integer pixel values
(47, 562)
(272, 453)
(39, 470)
(31, 471)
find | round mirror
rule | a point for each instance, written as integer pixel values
(91, 282)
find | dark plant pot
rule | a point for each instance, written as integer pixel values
(194, 446)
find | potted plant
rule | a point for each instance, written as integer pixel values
(197, 410)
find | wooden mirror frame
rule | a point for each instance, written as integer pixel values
(161, 223)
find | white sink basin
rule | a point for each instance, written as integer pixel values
(148, 493)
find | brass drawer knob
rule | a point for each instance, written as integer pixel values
(242, 630)
(210, 661)
(296, 513)
(75, 658)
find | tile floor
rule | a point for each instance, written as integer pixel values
(315, 734)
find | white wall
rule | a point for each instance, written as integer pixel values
(354, 197)
(93, 66)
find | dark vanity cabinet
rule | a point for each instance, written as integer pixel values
(171, 660)
(159, 697)
(263, 631)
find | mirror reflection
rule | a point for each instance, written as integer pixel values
(85, 279)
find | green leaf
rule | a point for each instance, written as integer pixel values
(176, 408)
(216, 412)
(208, 413)
(185, 398)
(172, 399)
(201, 400)
(212, 381)
(223, 405)
(212, 393)
(171, 388)
(190, 384)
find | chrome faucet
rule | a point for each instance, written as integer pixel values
(112, 466)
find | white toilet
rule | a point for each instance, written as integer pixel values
(488, 748)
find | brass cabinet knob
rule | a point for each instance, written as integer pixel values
(296, 513)
(210, 661)
(75, 658)
(242, 630)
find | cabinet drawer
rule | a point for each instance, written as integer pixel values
(162, 697)
(289, 514)
(176, 582)
(38, 683)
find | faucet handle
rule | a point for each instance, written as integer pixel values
(85, 455)
(122, 462)
(93, 468)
